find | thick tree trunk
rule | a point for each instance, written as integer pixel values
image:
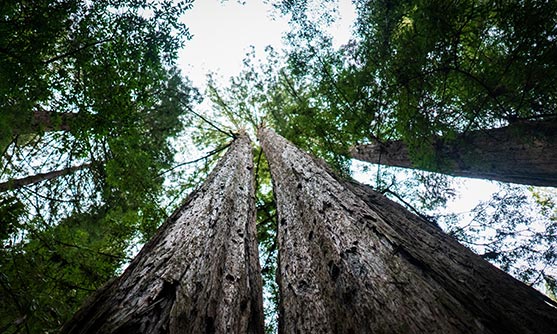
(524, 152)
(25, 181)
(199, 274)
(352, 261)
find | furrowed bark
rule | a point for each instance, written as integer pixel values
(352, 261)
(524, 152)
(25, 181)
(200, 273)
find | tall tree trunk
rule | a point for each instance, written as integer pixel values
(25, 181)
(524, 152)
(200, 273)
(352, 261)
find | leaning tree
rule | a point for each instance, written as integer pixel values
(524, 152)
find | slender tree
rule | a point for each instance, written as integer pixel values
(199, 274)
(18, 183)
(523, 152)
(352, 261)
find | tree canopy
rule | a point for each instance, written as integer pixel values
(94, 109)
(416, 70)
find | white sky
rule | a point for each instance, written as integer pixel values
(469, 191)
(223, 33)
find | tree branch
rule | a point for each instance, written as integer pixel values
(211, 153)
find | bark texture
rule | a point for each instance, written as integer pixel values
(352, 261)
(199, 274)
(25, 181)
(524, 152)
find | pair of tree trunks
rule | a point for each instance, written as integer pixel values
(524, 152)
(350, 261)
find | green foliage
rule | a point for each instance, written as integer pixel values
(83, 57)
(267, 238)
(108, 65)
(515, 229)
(83, 82)
(458, 66)
(418, 70)
(261, 94)
(10, 211)
(546, 199)
(46, 278)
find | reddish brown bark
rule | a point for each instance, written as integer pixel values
(352, 261)
(199, 274)
(524, 153)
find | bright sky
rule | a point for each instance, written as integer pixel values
(469, 191)
(223, 33)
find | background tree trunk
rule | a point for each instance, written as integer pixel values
(524, 152)
(200, 273)
(352, 261)
(24, 181)
(46, 121)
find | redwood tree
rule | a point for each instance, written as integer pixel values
(523, 152)
(352, 261)
(199, 273)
